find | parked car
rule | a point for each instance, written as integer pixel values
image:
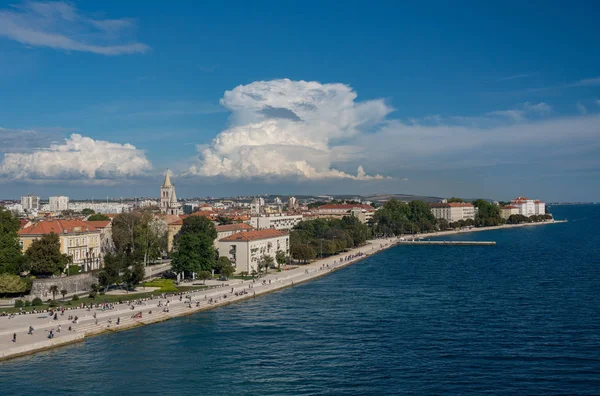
(222, 278)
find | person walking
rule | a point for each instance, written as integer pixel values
(14, 337)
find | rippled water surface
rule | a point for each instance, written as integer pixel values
(522, 317)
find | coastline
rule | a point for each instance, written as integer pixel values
(229, 293)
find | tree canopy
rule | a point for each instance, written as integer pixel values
(326, 237)
(396, 218)
(141, 233)
(488, 214)
(44, 256)
(194, 246)
(11, 258)
(98, 217)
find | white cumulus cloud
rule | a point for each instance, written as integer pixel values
(78, 157)
(61, 26)
(284, 128)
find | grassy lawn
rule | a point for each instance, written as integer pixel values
(106, 298)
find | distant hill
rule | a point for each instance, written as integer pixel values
(400, 197)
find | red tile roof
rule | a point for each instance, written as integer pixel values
(99, 223)
(234, 227)
(253, 235)
(57, 227)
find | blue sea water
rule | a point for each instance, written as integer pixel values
(521, 317)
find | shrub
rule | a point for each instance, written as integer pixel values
(27, 303)
(75, 298)
(74, 269)
(93, 294)
(36, 302)
(53, 304)
(19, 303)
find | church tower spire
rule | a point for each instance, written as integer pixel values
(168, 198)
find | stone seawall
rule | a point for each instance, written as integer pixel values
(72, 284)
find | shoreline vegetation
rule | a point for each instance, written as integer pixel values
(145, 311)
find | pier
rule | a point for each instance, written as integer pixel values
(448, 243)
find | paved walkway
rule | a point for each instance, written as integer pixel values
(97, 320)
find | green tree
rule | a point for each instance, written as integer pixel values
(194, 246)
(455, 200)
(150, 234)
(44, 256)
(11, 258)
(223, 266)
(63, 292)
(488, 214)
(204, 275)
(264, 262)
(87, 211)
(134, 274)
(54, 290)
(281, 258)
(303, 253)
(110, 274)
(421, 216)
(442, 224)
(12, 284)
(98, 217)
(223, 220)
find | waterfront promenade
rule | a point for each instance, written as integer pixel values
(96, 321)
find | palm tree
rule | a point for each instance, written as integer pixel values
(64, 293)
(54, 290)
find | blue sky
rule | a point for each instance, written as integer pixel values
(437, 98)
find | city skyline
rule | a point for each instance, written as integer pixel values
(415, 99)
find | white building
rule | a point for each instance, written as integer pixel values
(452, 212)
(168, 198)
(275, 222)
(507, 211)
(245, 249)
(30, 202)
(226, 230)
(255, 207)
(336, 211)
(292, 203)
(529, 207)
(58, 204)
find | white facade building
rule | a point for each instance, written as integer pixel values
(275, 222)
(452, 212)
(30, 202)
(529, 207)
(245, 249)
(507, 211)
(58, 204)
(255, 207)
(225, 230)
(292, 203)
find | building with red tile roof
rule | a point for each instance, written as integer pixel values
(78, 239)
(245, 249)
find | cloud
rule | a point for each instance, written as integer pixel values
(514, 77)
(289, 129)
(586, 82)
(26, 140)
(60, 26)
(520, 114)
(581, 108)
(401, 146)
(78, 157)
